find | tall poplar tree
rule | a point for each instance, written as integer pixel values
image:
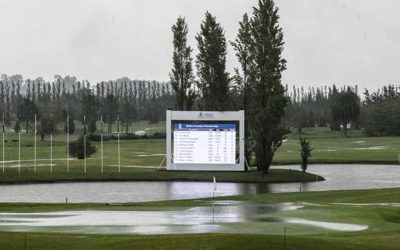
(242, 46)
(262, 39)
(214, 81)
(182, 77)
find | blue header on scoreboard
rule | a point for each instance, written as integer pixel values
(191, 126)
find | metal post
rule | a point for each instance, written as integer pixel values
(3, 154)
(242, 140)
(102, 155)
(168, 148)
(4, 130)
(84, 142)
(119, 156)
(84, 151)
(67, 143)
(101, 144)
(34, 168)
(51, 153)
(19, 151)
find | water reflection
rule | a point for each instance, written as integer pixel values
(251, 217)
(338, 177)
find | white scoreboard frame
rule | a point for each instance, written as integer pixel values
(205, 116)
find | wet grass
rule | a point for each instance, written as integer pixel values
(391, 195)
(201, 241)
(76, 174)
(141, 158)
(140, 161)
(383, 222)
(331, 147)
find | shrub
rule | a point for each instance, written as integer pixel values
(305, 152)
(77, 150)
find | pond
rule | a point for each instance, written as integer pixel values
(338, 177)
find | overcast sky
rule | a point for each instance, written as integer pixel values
(327, 41)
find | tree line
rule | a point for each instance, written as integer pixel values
(122, 101)
(376, 113)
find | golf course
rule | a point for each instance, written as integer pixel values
(358, 219)
(143, 159)
(199, 125)
(364, 219)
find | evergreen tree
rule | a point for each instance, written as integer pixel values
(128, 115)
(214, 81)
(27, 111)
(305, 152)
(242, 47)
(89, 106)
(111, 110)
(71, 125)
(268, 100)
(92, 128)
(46, 126)
(17, 127)
(346, 108)
(77, 149)
(182, 77)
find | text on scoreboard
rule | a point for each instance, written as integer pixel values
(205, 143)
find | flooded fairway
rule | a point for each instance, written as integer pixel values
(237, 217)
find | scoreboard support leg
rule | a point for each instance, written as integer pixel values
(169, 150)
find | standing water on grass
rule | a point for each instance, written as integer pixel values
(226, 217)
(338, 177)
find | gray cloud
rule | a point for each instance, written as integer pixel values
(327, 41)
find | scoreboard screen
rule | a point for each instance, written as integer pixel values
(204, 143)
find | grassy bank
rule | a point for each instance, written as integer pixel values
(139, 174)
(335, 206)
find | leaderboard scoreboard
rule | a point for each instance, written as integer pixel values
(204, 143)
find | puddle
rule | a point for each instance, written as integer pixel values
(150, 155)
(369, 204)
(193, 220)
(349, 149)
(224, 217)
(343, 227)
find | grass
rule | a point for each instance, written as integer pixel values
(137, 155)
(383, 222)
(141, 158)
(132, 174)
(136, 158)
(331, 147)
(201, 241)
